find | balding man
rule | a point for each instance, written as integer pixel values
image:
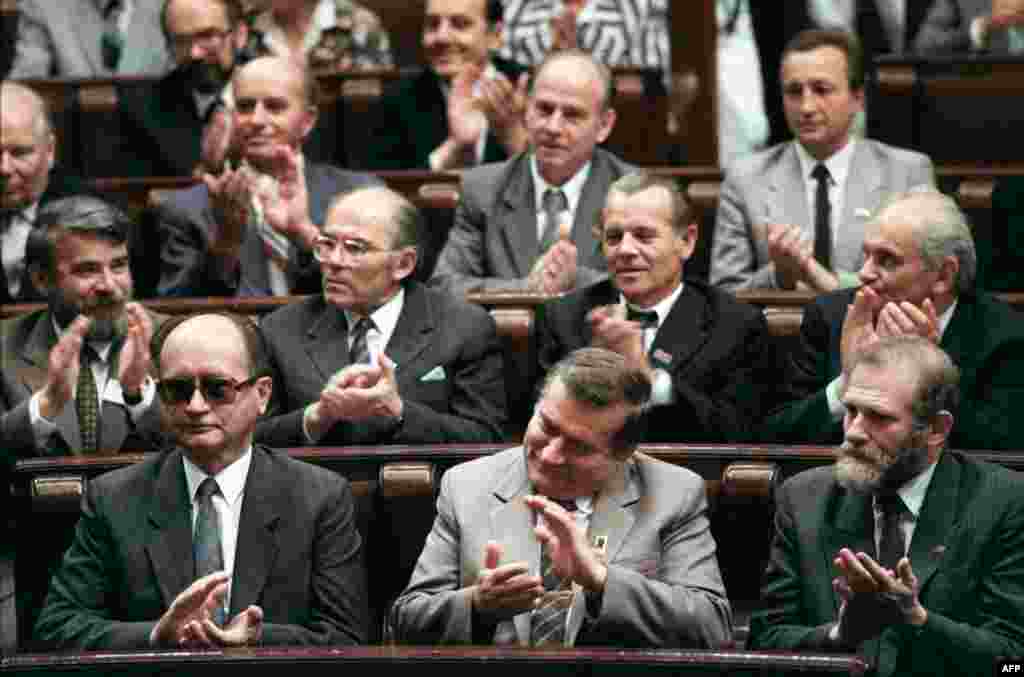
(378, 358)
(917, 278)
(216, 542)
(30, 179)
(250, 230)
(527, 223)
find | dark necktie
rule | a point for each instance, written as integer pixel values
(87, 404)
(648, 319)
(547, 624)
(206, 546)
(892, 546)
(112, 42)
(822, 218)
(554, 203)
(359, 353)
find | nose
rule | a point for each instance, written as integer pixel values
(197, 403)
(627, 245)
(6, 163)
(854, 432)
(443, 32)
(259, 114)
(553, 453)
(196, 50)
(867, 272)
(105, 280)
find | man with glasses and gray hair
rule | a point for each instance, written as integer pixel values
(917, 279)
(215, 542)
(377, 357)
(75, 375)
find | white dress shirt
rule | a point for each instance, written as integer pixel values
(227, 502)
(661, 385)
(13, 241)
(912, 493)
(385, 319)
(838, 165)
(573, 189)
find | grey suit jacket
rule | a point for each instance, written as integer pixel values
(62, 39)
(493, 243)
(965, 552)
(768, 188)
(185, 225)
(24, 357)
(448, 367)
(298, 557)
(664, 588)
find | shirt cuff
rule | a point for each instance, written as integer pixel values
(978, 32)
(835, 405)
(42, 428)
(662, 392)
(305, 428)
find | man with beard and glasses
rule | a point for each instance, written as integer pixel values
(249, 229)
(917, 279)
(926, 544)
(162, 123)
(75, 375)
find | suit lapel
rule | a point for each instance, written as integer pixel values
(91, 23)
(936, 521)
(588, 211)
(685, 331)
(512, 525)
(32, 370)
(170, 540)
(518, 220)
(326, 341)
(413, 332)
(257, 544)
(861, 197)
(788, 192)
(603, 293)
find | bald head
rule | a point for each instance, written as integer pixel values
(289, 75)
(23, 104)
(581, 67)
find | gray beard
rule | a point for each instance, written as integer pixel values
(855, 474)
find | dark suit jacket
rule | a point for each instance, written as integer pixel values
(298, 557)
(413, 120)
(985, 339)
(61, 184)
(718, 358)
(1001, 250)
(185, 221)
(25, 344)
(966, 554)
(493, 242)
(449, 371)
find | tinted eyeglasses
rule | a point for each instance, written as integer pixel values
(215, 389)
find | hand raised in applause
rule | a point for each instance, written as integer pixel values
(504, 104)
(566, 543)
(611, 330)
(133, 363)
(873, 598)
(62, 369)
(555, 271)
(231, 202)
(285, 199)
(358, 392)
(502, 591)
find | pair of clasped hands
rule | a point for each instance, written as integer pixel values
(505, 590)
(873, 597)
(189, 622)
(358, 392)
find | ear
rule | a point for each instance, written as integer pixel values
(686, 242)
(264, 388)
(51, 149)
(405, 265)
(946, 282)
(938, 431)
(858, 97)
(608, 118)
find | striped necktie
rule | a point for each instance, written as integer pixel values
(547, 624)
(87, 404)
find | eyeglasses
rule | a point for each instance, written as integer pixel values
(215, 389)
(207, 40)
(326, 248)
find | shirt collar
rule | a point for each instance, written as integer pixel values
(231, 479)
(101, 348)
(324, 18)
(838, 164)
(945, 318)
(385, 317)
(489, 72)
(913, 492)
(662, 307)
(572, 188)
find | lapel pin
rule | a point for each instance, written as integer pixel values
(937, 552)
(662, 356)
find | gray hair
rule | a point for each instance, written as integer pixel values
(604, 74)
(43, 119)
(941, 229)
(76, 214)
(639, 181)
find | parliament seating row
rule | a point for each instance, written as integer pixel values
(395, 489)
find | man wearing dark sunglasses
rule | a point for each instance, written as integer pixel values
(216, 542)
(379, 358)
(75, 375)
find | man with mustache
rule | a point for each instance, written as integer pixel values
(76, 374)
(918, 279)
(162, 124)
(248, 230)
(527, 223)
(793, 215)
(924, 542)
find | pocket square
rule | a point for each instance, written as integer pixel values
(435, 374)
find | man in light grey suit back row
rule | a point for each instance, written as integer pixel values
(783, 221)
(503, 237)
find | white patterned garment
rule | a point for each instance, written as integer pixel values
(617, 32)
